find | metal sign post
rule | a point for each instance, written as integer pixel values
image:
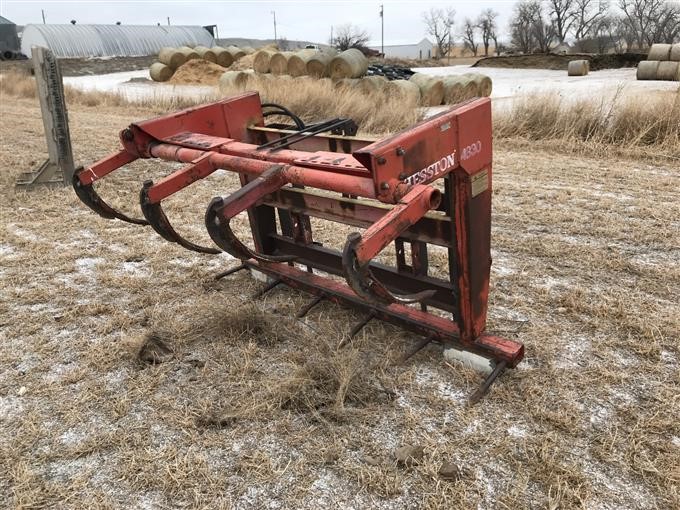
(59, 168)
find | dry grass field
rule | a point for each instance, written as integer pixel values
(255, 409)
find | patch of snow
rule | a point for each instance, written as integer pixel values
(10, 407)
(137, 269)
(517, 431)
(7, 251)
(87, 265)
(73, 437)
(23, 233)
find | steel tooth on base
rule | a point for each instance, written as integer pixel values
(156, 217)
(233, 270)
(416, 349)
(484, 388)
(306, 309)
(266, 289)
(357, 327)
(91, 198)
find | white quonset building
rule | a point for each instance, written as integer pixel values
(405, 49)
(111, 40)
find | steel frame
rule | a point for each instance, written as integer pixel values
(385, 186)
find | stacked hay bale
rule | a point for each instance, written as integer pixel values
(350, 63)
(318, 65)
(663, 63)
(278, 64)
(170, 59)
(297, 63)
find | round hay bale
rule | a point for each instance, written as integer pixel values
(297, 63)
(236, 52)
(470, 88)
(345, 83)
(403, 89)
(262, 60)
(371, 84)
(235, 80)
(248, 50)
(223, 56)
(350, 63)
(318, 65)
(206, 54)
(278, 64)
(484, 84)
(675, 53)
(667, 71)
(189, 53)
(646, 69)
(577, 68)
(160, 72)
(659, 52)
(454, 91)
(171, 57)
(431, 89)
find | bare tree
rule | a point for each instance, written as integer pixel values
(651, 21)
(529, 30)
(349, 36)
(468, 32)
(561, 13)
(590, 15)
(438, 23)
(487, 25)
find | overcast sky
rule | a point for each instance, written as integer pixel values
(307, 20)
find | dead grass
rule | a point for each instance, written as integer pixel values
(622, 121)
(256, 408)
(621, 125)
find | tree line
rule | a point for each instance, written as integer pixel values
(540, 26)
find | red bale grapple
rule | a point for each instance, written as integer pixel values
(427, 185)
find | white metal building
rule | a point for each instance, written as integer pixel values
(111, 40)
(405, 48)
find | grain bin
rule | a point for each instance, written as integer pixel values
(189, 53)
(297, 63)
(667, 71)
(483, 83)
(279, 62)
(404, 89)
(223, 56)
(647, 69)
(350, 63)
(659, 52)
(171, 57)
(262, 60)
(675, 52)
(577, 68)
(160, 72)
(318, 64)
(431, 89)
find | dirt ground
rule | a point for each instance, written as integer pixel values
(560, 62)
(254, 409)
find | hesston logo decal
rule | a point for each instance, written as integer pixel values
(432, 171)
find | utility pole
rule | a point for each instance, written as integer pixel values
(43, 13)
(168, 20)
(331, 41)
(274, 14)
(382, 30)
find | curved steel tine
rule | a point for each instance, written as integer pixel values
(366, 285)
(156, 217)
(91, 198)
(222, 235)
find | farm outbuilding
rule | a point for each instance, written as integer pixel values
(9, 41)
(111, 40)
(405, 48)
